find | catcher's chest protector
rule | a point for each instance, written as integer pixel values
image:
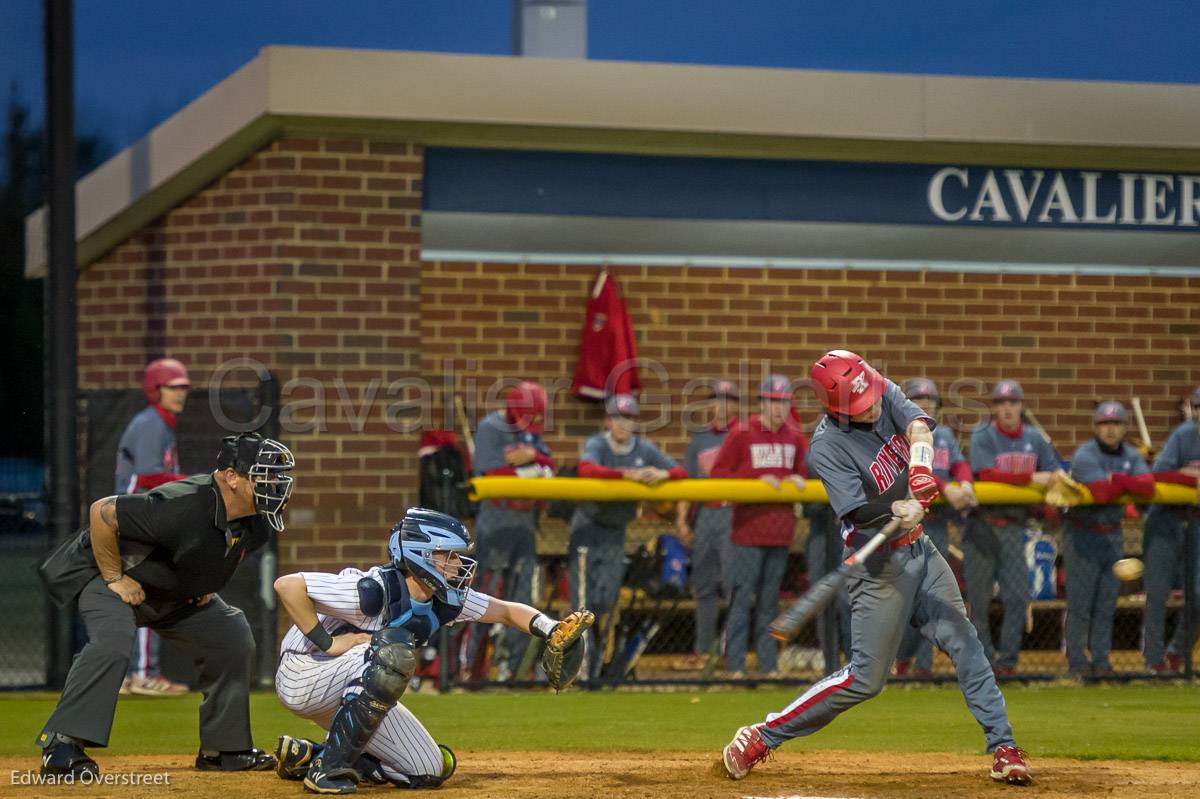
(398, 609)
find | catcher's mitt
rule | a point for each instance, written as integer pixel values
(1067, 493)
(564, 649)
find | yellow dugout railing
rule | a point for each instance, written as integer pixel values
(582, 489)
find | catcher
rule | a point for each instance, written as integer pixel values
(353, 648)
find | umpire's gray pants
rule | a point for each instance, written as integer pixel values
(997, 555)
(218, 639)
(892, 586)
(755, 574)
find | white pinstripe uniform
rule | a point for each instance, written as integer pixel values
(311, 684)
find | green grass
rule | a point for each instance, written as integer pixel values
(1119, 722)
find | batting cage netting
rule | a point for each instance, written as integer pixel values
(683, 595)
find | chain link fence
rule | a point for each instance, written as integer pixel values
(24, 605)
(671, 613)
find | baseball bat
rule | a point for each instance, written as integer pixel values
(1029, 417)
(1141, 422)
(460, 412)
(531, 648)
(788, 623)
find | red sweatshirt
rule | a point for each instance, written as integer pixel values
(751, 451)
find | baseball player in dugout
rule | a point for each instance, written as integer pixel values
(952, 474)
(1162, 543)
(703, 527)
(768, 447)
(873, 452)
(1004, 450)
(1093, 541)
(157, 559)
(147, 458)
(346, 662)
(598, 528)
(509, 442)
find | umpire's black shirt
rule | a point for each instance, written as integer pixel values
(174, 540)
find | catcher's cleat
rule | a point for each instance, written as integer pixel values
(1008, 765)
(293, 756)
(65, 758)
(341, 780)
(902, 667)
(249, 760)
(744, 752)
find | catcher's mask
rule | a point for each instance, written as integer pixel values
(421, 535)
(266, 462)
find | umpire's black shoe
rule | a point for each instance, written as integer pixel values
(67, 759)
(250, 760)
(295, 755)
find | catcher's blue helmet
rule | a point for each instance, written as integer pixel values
(418, 536)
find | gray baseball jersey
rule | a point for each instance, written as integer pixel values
(616, 515)
(492, 440)
(946, 452)
(147, 447)
(1091, 463)
(698, 460)
(1182, 449)
(860, 463)
(1026, 452)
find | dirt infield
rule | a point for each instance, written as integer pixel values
(534, 775)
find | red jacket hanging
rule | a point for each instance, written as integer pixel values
(607, 351)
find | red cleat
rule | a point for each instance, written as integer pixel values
(744, 752)
(1008, 765)
(902, 667)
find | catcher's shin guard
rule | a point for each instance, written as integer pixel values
(391, 663)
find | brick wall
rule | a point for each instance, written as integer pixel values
(306, 258)
(1070, 340)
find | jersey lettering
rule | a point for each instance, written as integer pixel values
(772, 456)
(890, 461)
(941, 459)
(1017, 462)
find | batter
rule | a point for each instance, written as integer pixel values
(871, 451)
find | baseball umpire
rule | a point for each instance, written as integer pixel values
(156, 560)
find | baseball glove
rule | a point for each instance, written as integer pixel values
(1066, 493)
(564, 649)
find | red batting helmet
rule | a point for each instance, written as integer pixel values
(846, 384)
(163, 372)
(525, 407)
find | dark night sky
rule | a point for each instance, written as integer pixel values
(138, 61)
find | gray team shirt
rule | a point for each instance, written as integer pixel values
(147, 447)
(698, 460)
(1028, 452)
(492, 439)
(1091, 463)
(860, 463)
(615, 515)
(1182, 449)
